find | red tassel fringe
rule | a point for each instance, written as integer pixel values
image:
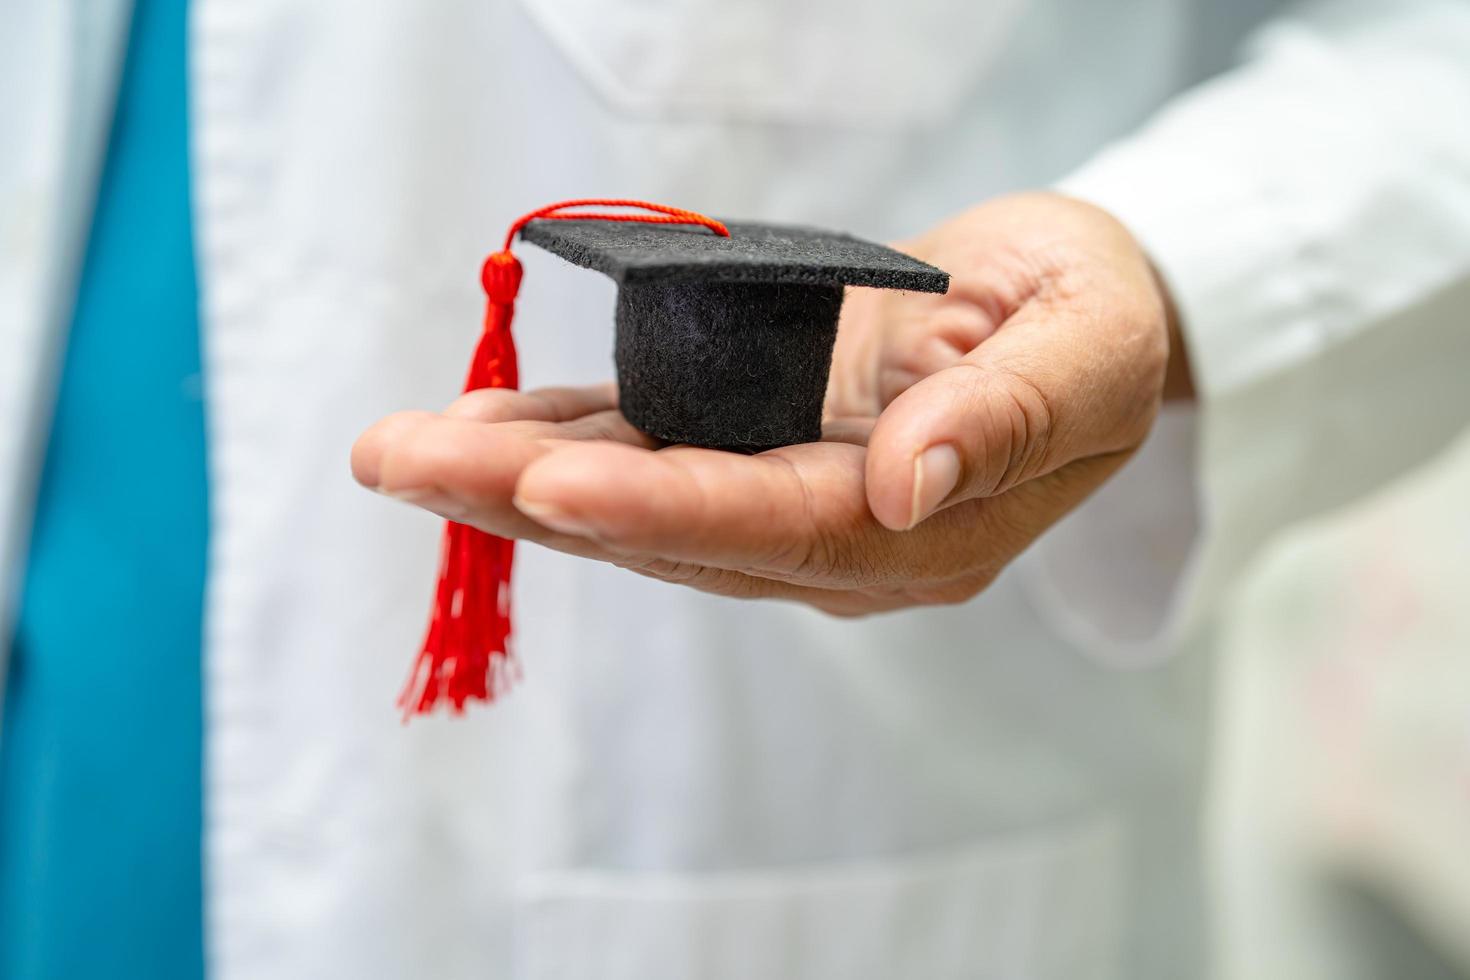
(467, 653)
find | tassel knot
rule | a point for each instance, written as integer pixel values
(501, 277)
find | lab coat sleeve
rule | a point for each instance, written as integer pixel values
(1310, 211)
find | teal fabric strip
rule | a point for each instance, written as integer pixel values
(100, 758)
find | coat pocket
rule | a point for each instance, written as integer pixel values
(1042, 907)
(851, 62)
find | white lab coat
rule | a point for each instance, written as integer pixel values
(685, 785)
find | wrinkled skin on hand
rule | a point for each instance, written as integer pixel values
(959, 428)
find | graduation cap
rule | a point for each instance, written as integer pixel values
(724, 339)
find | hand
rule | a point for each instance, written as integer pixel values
(960, 427)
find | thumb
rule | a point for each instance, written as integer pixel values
(967, 431)
(1010, 411)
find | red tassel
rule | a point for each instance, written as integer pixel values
(466, 653)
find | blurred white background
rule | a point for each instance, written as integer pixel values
(1342, 807)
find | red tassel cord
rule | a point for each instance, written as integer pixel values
(466, 653)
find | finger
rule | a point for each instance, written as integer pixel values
(490, 405)
(928, 339)
(367, 452)
(770, 514)
(852, 384)
(854, 430)
(607, 426)
(740, 585)
(541, 404)
(453, 466)
(1059, 382)
(796, 515)
(467, 471)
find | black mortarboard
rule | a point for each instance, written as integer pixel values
(727, 341)
(724, 339)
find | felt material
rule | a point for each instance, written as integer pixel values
(727, 342)
(753, 253)
(726, 365)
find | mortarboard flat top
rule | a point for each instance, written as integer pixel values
(754, 253)
(727, 342)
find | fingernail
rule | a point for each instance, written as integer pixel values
(936, 473)
(549, 515)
